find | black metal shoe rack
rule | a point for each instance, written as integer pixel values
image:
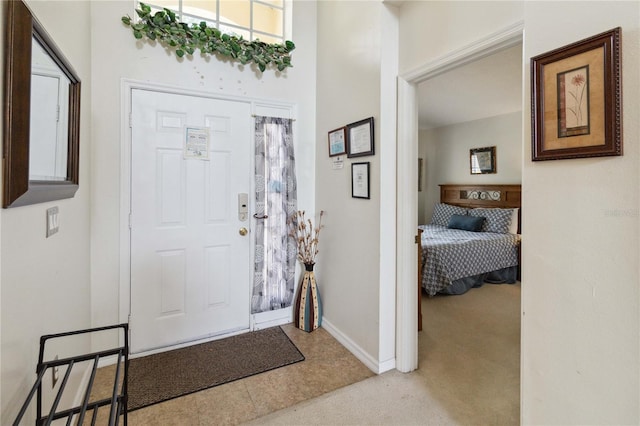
(117, 402)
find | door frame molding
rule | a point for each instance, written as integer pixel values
(258, 106)
(407, 198)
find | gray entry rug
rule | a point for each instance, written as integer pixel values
(167, 375)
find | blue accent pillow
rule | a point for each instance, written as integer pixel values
(466, 223)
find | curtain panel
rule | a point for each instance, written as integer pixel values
(275, 202)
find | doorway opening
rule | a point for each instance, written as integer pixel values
(407, 197)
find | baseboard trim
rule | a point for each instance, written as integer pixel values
(84, 383)
(269, 319)
(371, 363)
(387, 365)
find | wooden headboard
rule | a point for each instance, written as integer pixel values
(488, 196)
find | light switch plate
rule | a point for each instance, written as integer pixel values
(52, 221)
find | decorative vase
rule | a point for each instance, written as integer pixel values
(308, 307)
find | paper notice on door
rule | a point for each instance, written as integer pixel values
(196, 143)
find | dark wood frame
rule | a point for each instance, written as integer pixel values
(18, 190)
(350, 127)
(475, 151)
(606, 139)
(368, 166)
(342, 130)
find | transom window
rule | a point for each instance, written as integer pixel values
(251, 19)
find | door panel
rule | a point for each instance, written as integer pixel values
(190, 267)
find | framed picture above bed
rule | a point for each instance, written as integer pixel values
(482, 160)
(576, 96)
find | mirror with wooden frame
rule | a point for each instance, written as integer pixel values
(41, 116)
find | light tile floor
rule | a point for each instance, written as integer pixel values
(327, 366)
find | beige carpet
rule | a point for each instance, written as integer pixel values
(469, 374)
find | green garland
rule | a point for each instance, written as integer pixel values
(163, 27)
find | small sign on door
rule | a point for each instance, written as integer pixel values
(196, 143)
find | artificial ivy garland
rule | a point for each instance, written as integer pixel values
(163, 27)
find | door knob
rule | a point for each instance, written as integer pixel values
(243, 231)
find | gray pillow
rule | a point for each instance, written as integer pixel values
(496, 220)
(442, 213)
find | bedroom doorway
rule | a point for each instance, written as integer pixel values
(407, 196)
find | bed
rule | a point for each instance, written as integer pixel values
(473, 238)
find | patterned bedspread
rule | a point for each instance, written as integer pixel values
(451, 254)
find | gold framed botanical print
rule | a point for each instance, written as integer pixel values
(576, 100)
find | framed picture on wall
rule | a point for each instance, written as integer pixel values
(360, 180)
(482, 160)
(576, 95)
(360, 138)
(338, 142)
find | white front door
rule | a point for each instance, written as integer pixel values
(190, 267)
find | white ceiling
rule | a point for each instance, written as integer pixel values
(487, 87)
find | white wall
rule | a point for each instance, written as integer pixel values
(387, 148)
(348, 90)
(580, 324)
(430, 190)
(117, 55)
(450, 145)
(45, 282)
(431, 29)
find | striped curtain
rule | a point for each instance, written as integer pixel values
(276, 201)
